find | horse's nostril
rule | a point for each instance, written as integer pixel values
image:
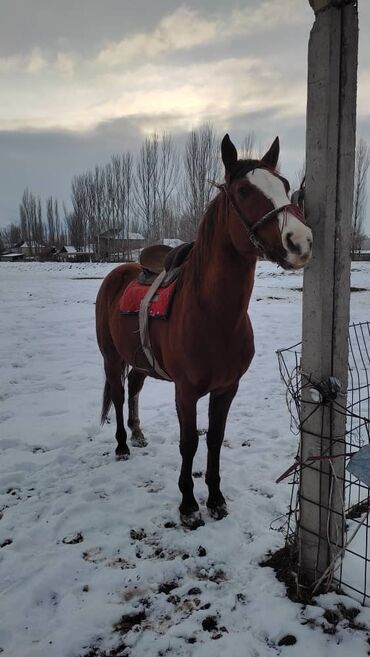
(294, 248)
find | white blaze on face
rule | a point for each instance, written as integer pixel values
(295, 236)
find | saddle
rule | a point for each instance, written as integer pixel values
(152, 292)
(157, 258)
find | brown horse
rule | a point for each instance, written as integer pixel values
(207, 343)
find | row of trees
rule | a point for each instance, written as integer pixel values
(159, 194)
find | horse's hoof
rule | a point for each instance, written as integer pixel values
(192, 520)
(122, 455)
(218, 512)
(138, 439)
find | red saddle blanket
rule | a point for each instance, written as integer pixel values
(159, 306)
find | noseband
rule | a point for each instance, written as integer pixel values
(269, 216)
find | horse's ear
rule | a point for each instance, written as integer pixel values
(271, 157)
(229, 153)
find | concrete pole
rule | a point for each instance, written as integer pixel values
(330, 153)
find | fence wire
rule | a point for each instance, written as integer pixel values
(352, 575)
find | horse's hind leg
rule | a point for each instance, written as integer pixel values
(219, 406)
(135, 383)
(113, 373)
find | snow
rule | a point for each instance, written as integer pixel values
(172, 241)
(59, 480)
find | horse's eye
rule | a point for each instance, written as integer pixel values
(244, 191)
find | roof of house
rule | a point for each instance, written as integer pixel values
(119, 234)
(71, 250)
(172, 241)
(11, 256)
(32, 245)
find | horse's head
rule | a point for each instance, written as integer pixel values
(260, 209)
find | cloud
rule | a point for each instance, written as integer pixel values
(33, 62)
(185, 29)
(65, 64)
(181, 30)
(195, 92)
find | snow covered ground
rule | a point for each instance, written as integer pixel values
(132, 576)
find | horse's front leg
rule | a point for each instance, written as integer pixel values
(219, 405)
(186, 405)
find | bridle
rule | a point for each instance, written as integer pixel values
(269, 216)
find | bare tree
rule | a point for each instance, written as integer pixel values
(248, 149)
(146, 185)
(126, 196)
(50, 220)
(10, 236)
(57, 226)
(155, 184)
(31, 224)
(362, 161)
(168, 181)
(202, 166)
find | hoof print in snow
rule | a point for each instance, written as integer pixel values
(8, 541)
(287, 640)
(240, 597)
(209, 623)
(197, 474)
(145, 602)
(167, 587)
(194, 591)
(185, 556)
(128, 622)
(170, 525)
(137, 534)
(72, 539)
(202, 551)
(191, 639)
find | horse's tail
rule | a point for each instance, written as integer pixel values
(107, 401)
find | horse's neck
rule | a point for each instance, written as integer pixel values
(225, 278)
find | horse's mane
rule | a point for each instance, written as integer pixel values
(192, 269)
(202, 249)
(242, 167)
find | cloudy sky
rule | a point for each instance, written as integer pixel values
(83, 79)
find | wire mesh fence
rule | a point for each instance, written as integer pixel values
(351, 572)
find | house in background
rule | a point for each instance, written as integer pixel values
(30, 249)
(11, 257)
(67, 253)
(364, 254)
(115, 244)
(173, 242)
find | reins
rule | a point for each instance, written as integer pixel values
(269, 216)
